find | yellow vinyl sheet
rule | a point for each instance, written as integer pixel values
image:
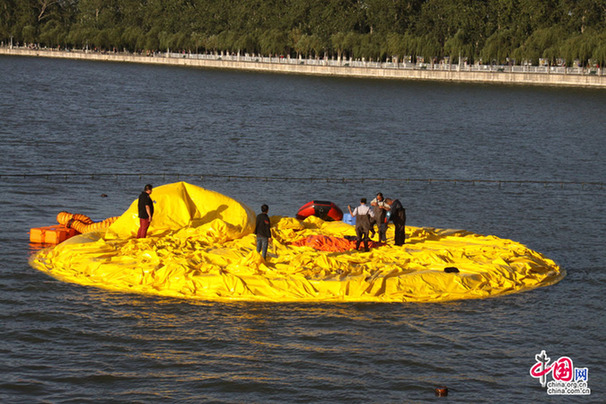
(200, 246)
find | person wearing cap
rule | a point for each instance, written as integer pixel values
(146, 211)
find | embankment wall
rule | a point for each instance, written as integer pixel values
(495, 77)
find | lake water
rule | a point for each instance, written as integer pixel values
(73, 131)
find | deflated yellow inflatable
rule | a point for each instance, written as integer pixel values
(200, 246)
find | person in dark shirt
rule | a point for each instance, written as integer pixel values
(380, 208)
(146, 211)
(263, 231)
(397, 214)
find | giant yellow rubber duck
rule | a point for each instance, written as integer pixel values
(200, 246)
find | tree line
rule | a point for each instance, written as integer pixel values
(486, 31)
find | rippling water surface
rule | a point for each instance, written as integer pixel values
(71, 131)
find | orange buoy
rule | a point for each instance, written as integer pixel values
(442, 391)
(51, 234)
(69, 225)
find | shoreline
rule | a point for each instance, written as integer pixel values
(445, 73)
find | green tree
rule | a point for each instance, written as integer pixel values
(459, 45)
(578, 15)
(274, 42)
(499, 46)
(133, 38)
(303, 46)
(493, 30)
(29, 34)
(583, 47)
(538, 44)
(599, 51)
(338, 43)
(429, 47)
(52, 33)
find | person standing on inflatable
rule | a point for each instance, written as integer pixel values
(363, 215)
(263, 231)
(397, 214)
(380, 208)
(146, 211)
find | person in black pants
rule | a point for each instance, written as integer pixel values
(380, 208)
(263, 231)
(363, 215)
(397, 214)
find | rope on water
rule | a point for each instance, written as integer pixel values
(232, 177)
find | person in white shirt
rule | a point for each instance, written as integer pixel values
(363, 215)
